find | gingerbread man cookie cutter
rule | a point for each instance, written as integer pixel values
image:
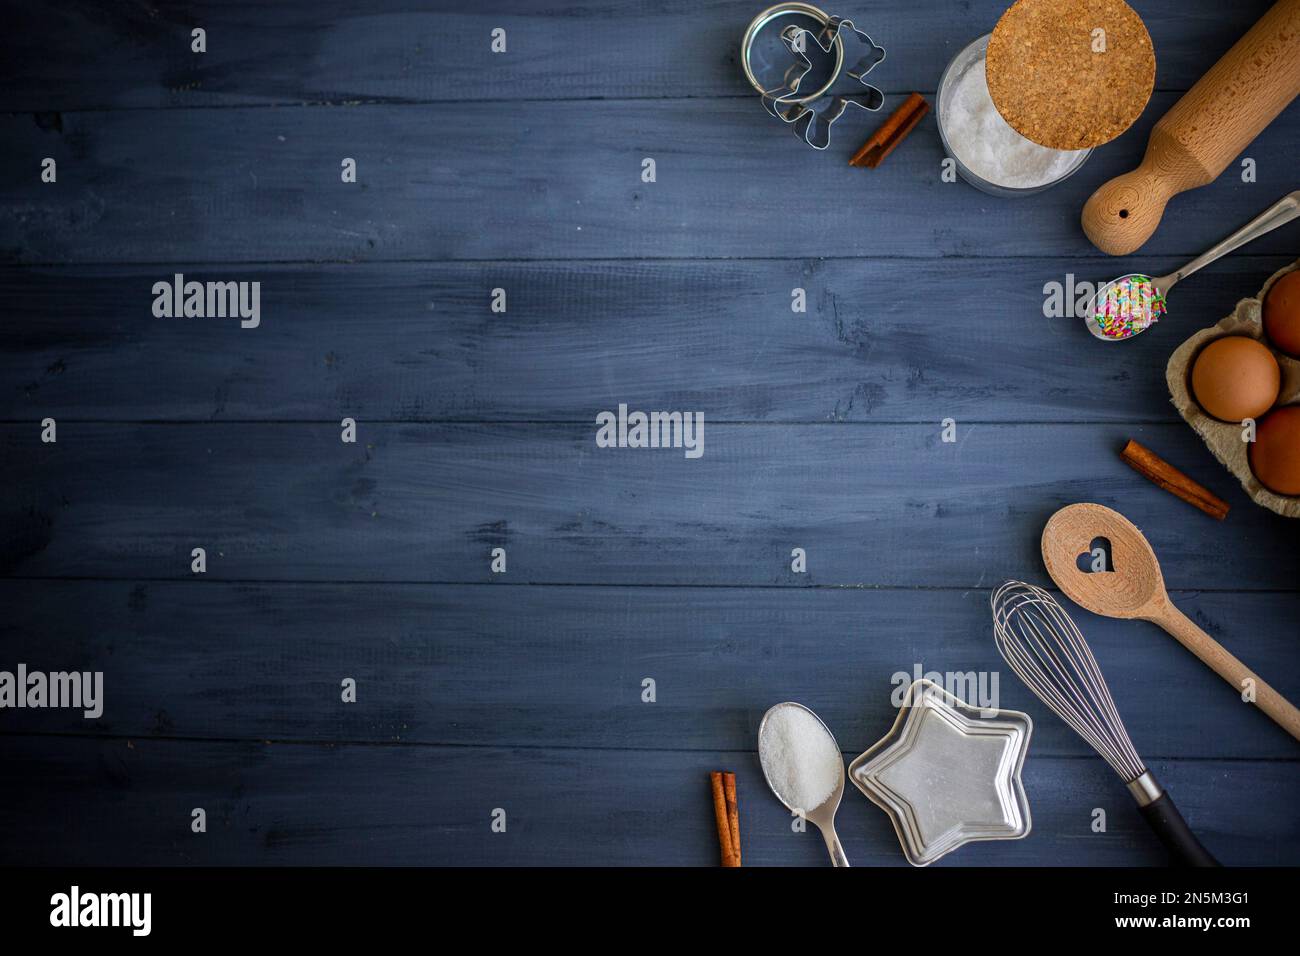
(812, 121)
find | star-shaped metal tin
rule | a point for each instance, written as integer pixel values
(948, 773)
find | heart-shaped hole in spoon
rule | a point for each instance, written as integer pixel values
(1097, 558)
(1135, 587)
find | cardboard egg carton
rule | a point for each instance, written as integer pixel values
(1224, 438)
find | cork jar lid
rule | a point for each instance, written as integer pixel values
(1070, 74)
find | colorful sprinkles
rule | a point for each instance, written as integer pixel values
(1127, 306)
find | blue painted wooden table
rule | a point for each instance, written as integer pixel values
(371, 560)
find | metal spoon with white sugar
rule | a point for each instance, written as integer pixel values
(803, 765)
(1131, 304)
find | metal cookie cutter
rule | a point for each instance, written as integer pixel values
(812, 122)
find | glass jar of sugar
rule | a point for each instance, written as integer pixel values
(988, 153)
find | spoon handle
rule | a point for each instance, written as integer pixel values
(1212, 653)
(1278, 214)
(833, 844)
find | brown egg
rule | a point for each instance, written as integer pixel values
(1282, 313)
(1235, 377)
(1275, 453)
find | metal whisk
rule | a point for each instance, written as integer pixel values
(1046, 649)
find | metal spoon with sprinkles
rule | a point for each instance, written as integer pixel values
(1133, 303)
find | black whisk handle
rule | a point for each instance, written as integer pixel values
(1175, 834)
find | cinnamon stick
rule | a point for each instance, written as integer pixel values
(1151, 466)
(891, 132)
(733, 813)
(721, 817)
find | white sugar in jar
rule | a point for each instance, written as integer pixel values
(989, 154)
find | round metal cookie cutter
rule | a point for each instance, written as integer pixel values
(777, 12)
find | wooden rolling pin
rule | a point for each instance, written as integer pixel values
(1204, 131)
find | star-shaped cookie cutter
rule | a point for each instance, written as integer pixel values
(811, 124)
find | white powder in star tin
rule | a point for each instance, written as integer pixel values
(799, 757)
(988, 146)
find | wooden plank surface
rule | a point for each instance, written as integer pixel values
(508, 180)
(412, 342)
(563, 667)
(872, 505)
(522, 690)
(83, 55)
(320, 805)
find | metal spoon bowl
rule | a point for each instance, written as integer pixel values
(1160, 286)
(1278, 214)
(824, 815)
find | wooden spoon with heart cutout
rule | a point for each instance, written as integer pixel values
(1136, 589)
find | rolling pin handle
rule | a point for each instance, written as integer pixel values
(1123, 213)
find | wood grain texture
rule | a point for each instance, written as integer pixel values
(507, 180)
(873, 505)
(476, 431)
(320, 805)
(82, 55)
(562, 666)
(415, 342)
